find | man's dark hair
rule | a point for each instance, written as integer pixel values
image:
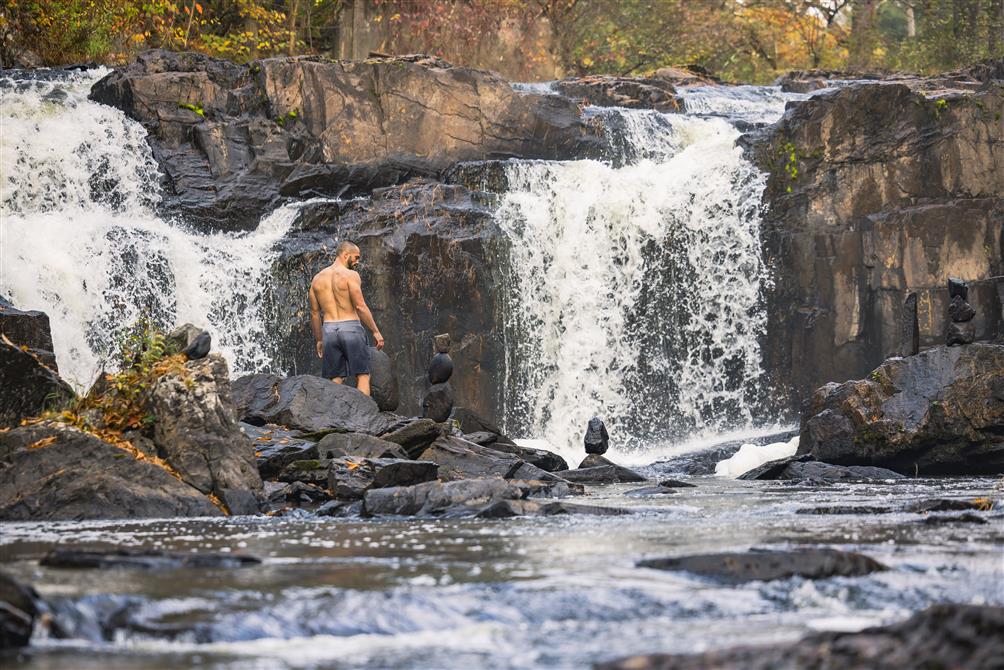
(344, 246)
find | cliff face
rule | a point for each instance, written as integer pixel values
(233, 139)
(875, 190)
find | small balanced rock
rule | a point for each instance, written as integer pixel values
(961, 329)
(438, 401)
(596, 440)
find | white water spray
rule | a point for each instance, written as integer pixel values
(81, 240)
(636, 286)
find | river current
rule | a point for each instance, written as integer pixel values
(661, 240)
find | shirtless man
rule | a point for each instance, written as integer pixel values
(336, 291)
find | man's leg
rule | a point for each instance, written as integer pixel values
(363, 383)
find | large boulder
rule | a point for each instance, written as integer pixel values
(231, 139)
(459, 459)
(939, 412)
(358, 445)
(350, 478)
(462, 497)
(942, 636)
(275, 448)
(874, 190)
(55, 472)
(197, 433)
(306, 403)
(28, 387)
(384, 388)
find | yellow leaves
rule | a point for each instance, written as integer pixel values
(984, 504)
(44, 442)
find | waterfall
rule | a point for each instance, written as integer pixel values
(635, 286)
(82, 239)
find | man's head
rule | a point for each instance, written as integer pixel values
(348, 254)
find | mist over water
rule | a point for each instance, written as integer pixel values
(83, 241)
(635, 286)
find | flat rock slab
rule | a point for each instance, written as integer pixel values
(460, 459)
(738, 568)
(845, 509)
(140, 560)
(949, 505)
(801, 468)
(651, 491)
(942, 636)
(541, 458)
(595, 469)
(944, 519)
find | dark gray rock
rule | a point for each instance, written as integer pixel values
(943, 519)
(384, 387)
(960, 311)
(596, 439)
(909, 328)
(631, 92)
(738, 568)
(311, 471)
(958, 288)
(197, 432)
(802, 468)
(482, 438)
(947, 505)
(541, 458)
(19, 607)
(298, 494)
(596, 469)
(960, 333)
(440, 368)
(190, 340)
(340, 508)
(28, 329)
(358, 445)
(939, 412)
(415, 436)
(438, 402)
(462, 497)
(143, 560)
(350, 478)
(458, 459)
(674, 484)
(942, 636)
(307, 403)
(471, 422)
(27, 386)
(275, 448)
(845, 509)
(50, 472)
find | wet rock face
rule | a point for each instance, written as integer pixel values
(28, 387)
(56, 473)
(944, 636)
(430, 258)
(875, 190)
(232, 138)
(19, 607)
(28, 329)
(939, 412)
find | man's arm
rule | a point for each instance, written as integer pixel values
(315, 322)
(356, 295)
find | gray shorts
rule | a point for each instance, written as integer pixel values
(346, 350)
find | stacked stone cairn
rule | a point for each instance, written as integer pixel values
(961, 329)
(438, 402)
(596, 441)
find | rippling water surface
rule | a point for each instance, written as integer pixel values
(548, 593)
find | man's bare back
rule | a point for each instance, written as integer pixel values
(336, 293)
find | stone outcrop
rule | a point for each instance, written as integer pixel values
(197, 433)
(942, 636)
(875, 190)
(939, 412)
(51, 472)
(350, 478)
(28, 329)
(431, 254)
(232, 139)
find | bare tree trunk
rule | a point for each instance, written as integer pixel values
(911, 20)
(294, 5)
(862, 29)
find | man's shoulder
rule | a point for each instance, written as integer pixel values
(321, 275)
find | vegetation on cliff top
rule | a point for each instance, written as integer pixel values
(740, 40)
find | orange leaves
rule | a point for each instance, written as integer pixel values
(44, 442)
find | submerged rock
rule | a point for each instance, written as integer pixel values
(939, 412)
(505, 509)
(737, 568)
(19, 607)
(799, 468)
(143, 560)
(942, 636)
(462, 497)
(657, 490)
(52, 472)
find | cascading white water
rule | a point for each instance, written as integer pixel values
(635, 286)
(80, 237)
